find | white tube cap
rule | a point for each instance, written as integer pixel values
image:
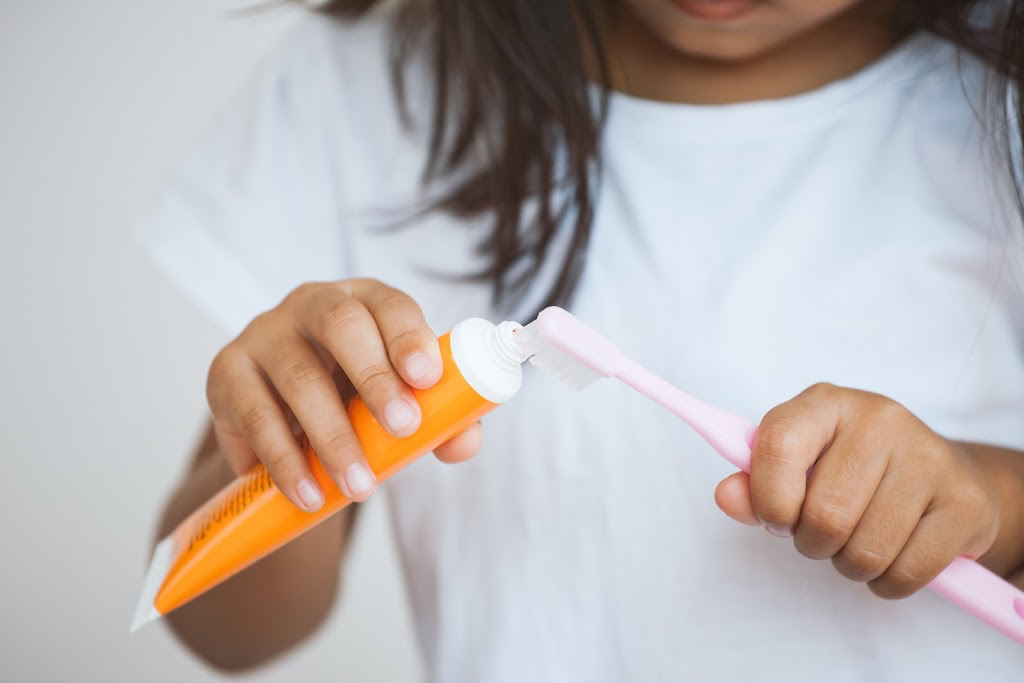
(488, 357)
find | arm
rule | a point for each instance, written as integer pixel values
(271, 606)
(289, 369)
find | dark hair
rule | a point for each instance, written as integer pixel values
(513, 81)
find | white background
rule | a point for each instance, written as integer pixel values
(102, 362)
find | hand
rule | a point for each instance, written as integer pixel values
(890, 501)
(287, 371)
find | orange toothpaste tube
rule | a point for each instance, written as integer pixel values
(250, 517)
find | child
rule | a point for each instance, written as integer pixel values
(752, 197)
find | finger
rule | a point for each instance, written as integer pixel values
(933, 545)
(884, 528)
(247, 404)
(304, 384)
(412, 346)
(462, 446)
(839, 490)
(789, 440)
(343, 325)
(230, 442)
(733, 496)
(233, 447)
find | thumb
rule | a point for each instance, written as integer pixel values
(733, 496)
(462, 446)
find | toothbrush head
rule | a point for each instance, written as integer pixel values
(565, 347)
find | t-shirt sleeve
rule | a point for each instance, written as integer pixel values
(254, 207)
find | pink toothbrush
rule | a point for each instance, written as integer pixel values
(566, 347)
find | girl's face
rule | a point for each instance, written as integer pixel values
(734, 30)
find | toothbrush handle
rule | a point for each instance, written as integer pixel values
(973, 588)
(965, 583)
(729, 434)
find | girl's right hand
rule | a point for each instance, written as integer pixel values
(287, 371)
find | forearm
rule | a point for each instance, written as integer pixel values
(209, 473)
(1004, 468)
(267, 608)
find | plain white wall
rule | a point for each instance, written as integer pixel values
(103, 362)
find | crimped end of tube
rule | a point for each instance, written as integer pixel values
(145, 611)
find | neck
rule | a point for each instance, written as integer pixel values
(645, 66)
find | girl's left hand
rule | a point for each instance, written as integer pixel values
(890, 501)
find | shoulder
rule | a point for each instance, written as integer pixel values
(951, 97)
(964, 136)
(337, 77)
(950, 109)
(334, 55)
(933, 80)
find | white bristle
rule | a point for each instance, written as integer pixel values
(554, 361)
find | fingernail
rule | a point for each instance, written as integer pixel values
(780, 531)
(359, 479)
(420, 368)
(399, 415)
(309, 494)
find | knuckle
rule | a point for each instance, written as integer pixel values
(302, 375)
(972, 496)
(774, 513)
(366, 282)
(778, 440)
(821, 389)
(374, 378)
(361, 286)
(888, 412)
(340, 313)
(897, 583)
(831, 519)
(934, 458)
(861, 562)
(280, 462)
(258, 325)
(343, 446)
(975, 503)
(405, 341)
(222, 363)
(393, 301)
(257, 418)
(221, 368)
(303, 291)
(346, 287)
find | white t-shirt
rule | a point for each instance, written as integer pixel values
(852, 234)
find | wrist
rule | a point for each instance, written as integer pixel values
(1003, 470)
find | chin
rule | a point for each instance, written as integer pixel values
(763, 29)
(717, 46)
